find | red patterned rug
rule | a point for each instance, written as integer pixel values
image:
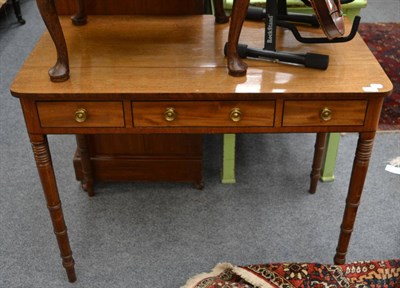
(383, 39)
(365, 274)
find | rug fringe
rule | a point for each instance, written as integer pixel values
(251, 278)
(218, 269)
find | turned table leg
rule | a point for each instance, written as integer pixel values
(220, 16)
(46, 173)
(236, 66)
(80, 18)
(60, 71)
(358, 174)
(317, 161)
(83, 148)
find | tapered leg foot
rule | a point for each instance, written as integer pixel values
(71, 273)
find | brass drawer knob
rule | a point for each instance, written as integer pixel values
(326, 114)
(236, 115)
(169, 114)
(80, 115)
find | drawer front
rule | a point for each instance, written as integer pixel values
(203, 113)
(324, 113)
(81, 114)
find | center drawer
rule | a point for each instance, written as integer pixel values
(203, 113)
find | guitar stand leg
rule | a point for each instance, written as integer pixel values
(309, 60)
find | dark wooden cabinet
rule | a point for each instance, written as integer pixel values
(130, 7)
(157, 157)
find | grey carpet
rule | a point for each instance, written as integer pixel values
(160, 234)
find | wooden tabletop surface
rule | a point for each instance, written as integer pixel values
(182, 54)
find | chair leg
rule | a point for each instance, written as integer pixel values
(80, 18)
(317, 161)
(236, 66)
(220, 16)
(17, 11)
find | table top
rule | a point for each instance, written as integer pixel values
(145, 55)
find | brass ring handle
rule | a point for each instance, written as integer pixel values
(170, 114)
(236, 115)
(326, 114)
(81, 115)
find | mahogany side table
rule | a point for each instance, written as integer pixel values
(125, 83)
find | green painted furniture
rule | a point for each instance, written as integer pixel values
(350, 9)
(327, 174)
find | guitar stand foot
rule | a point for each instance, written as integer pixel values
(309, 60)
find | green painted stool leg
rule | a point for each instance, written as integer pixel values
(352, 13)
(228, 160)
(328, 168)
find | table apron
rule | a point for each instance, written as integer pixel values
(206, 117)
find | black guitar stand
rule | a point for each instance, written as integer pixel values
(275, 14)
